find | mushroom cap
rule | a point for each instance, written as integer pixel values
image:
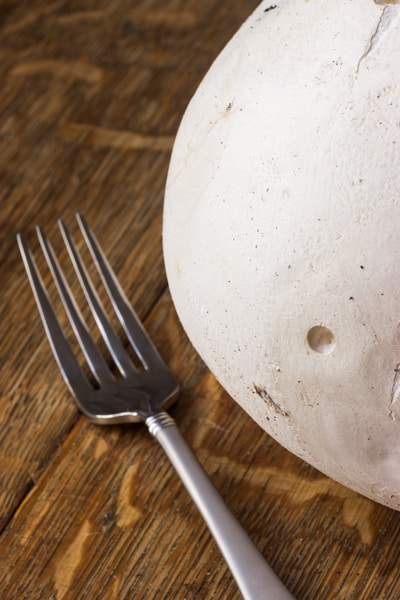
(281, 232)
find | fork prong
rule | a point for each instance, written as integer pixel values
(112, 340)
(68, 364)
(140, 341)
(96, 361)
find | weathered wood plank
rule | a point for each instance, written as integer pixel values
(92, 95)
(91, 99)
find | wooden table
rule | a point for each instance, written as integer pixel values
(91, 97)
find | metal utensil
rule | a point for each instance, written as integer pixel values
(138, 394)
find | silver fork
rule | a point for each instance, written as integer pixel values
(139, 394)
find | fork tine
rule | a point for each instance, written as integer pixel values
(113, 342)
(140, 341)
(98, 365)
(68, 365)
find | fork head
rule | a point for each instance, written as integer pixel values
(138, 392)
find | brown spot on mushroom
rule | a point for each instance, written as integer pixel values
(263, 394)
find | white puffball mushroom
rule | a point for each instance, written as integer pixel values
(282, 232)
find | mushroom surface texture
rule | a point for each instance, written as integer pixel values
(281, 232)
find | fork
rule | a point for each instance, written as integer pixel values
(138, 394)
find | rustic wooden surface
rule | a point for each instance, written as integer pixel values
(91, 97)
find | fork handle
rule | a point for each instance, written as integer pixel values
(255, 578)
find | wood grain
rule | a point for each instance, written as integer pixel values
(92, 96)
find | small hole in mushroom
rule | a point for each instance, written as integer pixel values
(321, 339)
